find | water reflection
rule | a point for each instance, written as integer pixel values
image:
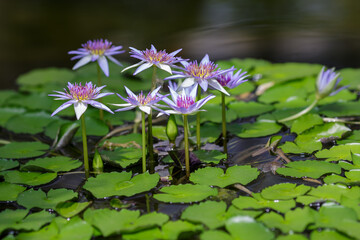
(39, 33)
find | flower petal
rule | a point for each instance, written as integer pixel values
(188, 82)
(114, 60)
(104, 65)
(62, 107)
(99, 105)
(142, 68)
(205, 59)
(165, 67)
(130, 93)
(145, 109)
(203, 84)
(175, 76)
(125, 108)
(82, 62)
(79, 108)
(132, 66)
(215, 84)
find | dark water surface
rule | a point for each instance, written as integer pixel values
(39, 33)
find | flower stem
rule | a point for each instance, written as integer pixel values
(224, 122)
(85, 148)
(150, 145)
(153, 79)
(186, 139)
(143, 141)
(101, 112)
(198, 138)
(299, 114)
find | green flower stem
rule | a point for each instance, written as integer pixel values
(299, 114)
(153, 80)
(150, 145)
(198, 138)
(143, 141)
(224, 122)
(85, 148)
(186, 139)
(101, 112)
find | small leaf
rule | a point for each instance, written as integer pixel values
(284, 191)
(29, 178)
(10, 192)
(51, 164)
(70, 209)
(17, 150)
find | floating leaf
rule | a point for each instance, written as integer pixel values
(209, 132)
(306, 122)
(120, 184)
(215, 235)
(257, 202)
(94, 127)
(51, 164)
(159, 132)
(284, 191)
(122, 157)
(241, 226)
(8, 218)
(28, 178)
(340, 152)
(213, 156)
(246, 64)
(354, 137)
(212, 114)
(216, 177)
(309, 168)
(9, 192)
(332, 192)
(350, 77)
(37, 101)
(65, 133)
(293, 221)
(45, 76)
(34, 221)
(327, 234)
(248, 109)
(341, 109)
(172, 229)
(282, 93)
(70, 209)
(8, 112)
(351, 177)
(258, 129)
(6, 164)
(292, 237)
(37, 198)
(112, 221)
(185, 193)
(124, 139)
(23, 150)
(332, 215)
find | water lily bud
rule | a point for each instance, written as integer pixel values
(326, 83)
(171, 129)
(97, 163)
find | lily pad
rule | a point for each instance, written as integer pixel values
(354, 137)
(17, 150)
(212, 114)
(126, 139)
(34, 221)
(6, 164)
(284, 191)
(28, 178)
(351, 177)
(340, 152)
(248, 109)
(215, 235)
(37, 198)
(216, 177)
(209, 132)
(69, 209)
(327, 234)
(341, 109)
(350, 78)
(159, 132)
(331, 192)
(258, 129)
(120, 184)
(309, 168)
(51, 164)
(36, 101)
(282, 93)
(10, 192)
(9, 217)
(112, 221)
(172, 229)
(213, 156)
(241, 226)
(306, 122)
(257, 202)
(94, 127)
(8, 112)
(122, 157)
(45, 76)
(185, 193)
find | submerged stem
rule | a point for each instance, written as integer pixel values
(101, 112)
(299, 114)
(186, 139)
(198, 137)
(224, 122)
(143, 141)
(85, 148)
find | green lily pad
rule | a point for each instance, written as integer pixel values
(148, 234)
(351, 177)
(112, 221)
(8, 112)
(5, 95)
(331, 215)
(257, 202)
(282, 93)
(331, 192)
(16, 150)
(284, 191)
(309, 168)
(354, 137)
(293, 221)
(215, 235)
(246, 64)
(69, 209)
(37, 198)
(28, 178)
(122, 157)
(37, 101)
(340, 152)
(350, 78)
(120, 184)
(51, 164)
(172, 229)
(94, 127)
(327, 234)
(45, 76)
(248, 109)
(159, 132)
(212, 114)
(34, 221)
(10, 192)
(292, 236)
(9, 217)
(6, 164)
(209, 132)
(213, 156)
(341, 109)
(355, 163)
(306, 122)
(185, 193)
(216, 177)
(258, 129)
(126, 139)
(241, 226)
(343, 96)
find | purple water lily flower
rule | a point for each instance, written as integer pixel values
(80, 96)
(150, 57)
(185, 101)
(97, 50)
(326, 83)
(145, 103)
(231, 80)
(203, 74)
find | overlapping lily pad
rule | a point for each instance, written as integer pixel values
(260, 128)
(340, 152)
(216, 177)
(284, 191)
(6, 164)
(351, 177)
(185, 193)
(51, 164)
(122, 157)
(9, 191)
(28, 178)
(248, 109)
(213, 156)
(17, 150)
(120, 184)
(8, 112)
(69, 209)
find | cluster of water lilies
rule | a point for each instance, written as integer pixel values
(186, 97)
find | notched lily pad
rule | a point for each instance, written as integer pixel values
(9, 191)
(51, 164)
(69, 209)
(340, 152)
(185, 193)
(214, 176)
(258, 129)
(16, 150)
(284, 191)
(248, 109)
(213, 156)
(122, 157)
(6, 164)
(28, 178)
(120, 184)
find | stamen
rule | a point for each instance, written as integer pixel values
(184, 101)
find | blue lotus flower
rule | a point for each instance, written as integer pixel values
(326, 83)
(231, 80)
